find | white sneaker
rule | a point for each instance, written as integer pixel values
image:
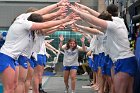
(85, 73)
(73, 91)
(66, 90)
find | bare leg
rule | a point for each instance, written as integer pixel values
(29, 79)
(16, 76)
(8, 78)
(94, 78)
(21, 82)
(36, 78)
(73, 74)
(106, 86)
(130, 86)
(96, 85)
(112, 80)
(101, 81)
(40, 79)
(110, 83)
(121, 82)
(66, 77)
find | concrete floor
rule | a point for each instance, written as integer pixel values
(55, 84)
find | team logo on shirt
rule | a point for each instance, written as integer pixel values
(70, 53)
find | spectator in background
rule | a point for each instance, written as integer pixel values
(85, 65)
(2, 38)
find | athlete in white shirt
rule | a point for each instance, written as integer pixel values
(70, 61)
(17, 40)
(120, 53)
(24, 64)
(39, 54)
(39, 66)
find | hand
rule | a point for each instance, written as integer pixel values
(61, 38)
(76, 17)
(62, 10)
(74, 28)
(69, 23)
(89, 53)
(77, 26)
(75, 9)
(49, 41)
(83, 39)
(61, 27)
(70, 17)
(48, 55)
(54, 52)
(63, 15)
(57, 51)
(63, 3)
(80, 5)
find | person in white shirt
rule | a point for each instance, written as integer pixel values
(98, 55)
(17, 40)
(90, 49)
(41, 59)
(70, 61)
(24, 61)
(96, 48)
(104, 61)
(39, 66)
(38, 40)
(120, 52)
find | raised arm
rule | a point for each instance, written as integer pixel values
(50, 32)
(89, 30)
(50, 29)
(91, 11)
(87, 36)
(49, 41)
(75, 29)
(51, 50)
(48, 55)
(51, 47)
(61, 41)
(49, 24)
(50, 8)
(83, 43)
(54, 15)
(96, 27)
(90, 18)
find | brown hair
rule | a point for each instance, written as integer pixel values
(105, 16)
(30, 9)
(35, 18)
(113, 9)
(71, 40)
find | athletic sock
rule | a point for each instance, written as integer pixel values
(40, 86)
